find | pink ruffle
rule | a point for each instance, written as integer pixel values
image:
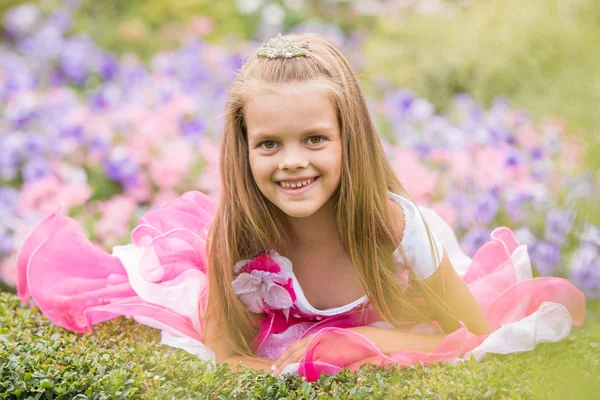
(77, 285)
(493, 279)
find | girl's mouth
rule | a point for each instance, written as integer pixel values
(300, 187)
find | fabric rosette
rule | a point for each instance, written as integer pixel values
(265, 282)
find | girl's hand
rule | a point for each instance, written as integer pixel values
(295, 352)
(291, 355)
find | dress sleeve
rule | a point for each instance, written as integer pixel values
(415, 242)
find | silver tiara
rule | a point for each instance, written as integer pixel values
(280, 47)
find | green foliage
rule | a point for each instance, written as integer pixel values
(144, 27)
(123, 359)
(539, 53)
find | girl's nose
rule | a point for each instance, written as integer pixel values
(293, 160)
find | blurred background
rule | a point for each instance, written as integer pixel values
(489, 110)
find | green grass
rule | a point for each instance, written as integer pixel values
(122, 359)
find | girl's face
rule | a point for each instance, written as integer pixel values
(294, 139)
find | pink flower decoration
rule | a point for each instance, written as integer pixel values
(265, 281)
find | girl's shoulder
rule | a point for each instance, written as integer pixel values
(415, 240)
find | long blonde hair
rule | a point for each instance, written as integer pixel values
(247, 224)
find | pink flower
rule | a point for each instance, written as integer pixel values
(489, 168)
(446, 211)
(572, 154)
(528, 137)
(174, 164)
(8, 270)
(208, 181)
(265, 281)
(418, 181)
(46, 194)
(115, 216)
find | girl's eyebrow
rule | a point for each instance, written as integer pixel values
(267, 135)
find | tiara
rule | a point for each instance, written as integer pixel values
(280, 47)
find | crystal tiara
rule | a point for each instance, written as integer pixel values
(280, 47)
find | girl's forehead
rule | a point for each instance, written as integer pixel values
(273, 112)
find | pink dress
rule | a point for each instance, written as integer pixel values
(160, 280)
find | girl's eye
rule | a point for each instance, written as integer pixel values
(320, 139)
(268, 145)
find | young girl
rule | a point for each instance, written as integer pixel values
(314, 259)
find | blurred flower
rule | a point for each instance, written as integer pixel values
(591, 234)
(8, 197)
(8, 270)
(487, 208)
(545, 256)
(474, 239)
(35, 169)
(21, 20)
(6, 242)
(115, 215)
(119, 168)
(558, 226)
(587, 278)
(416, 178)
(46, 194)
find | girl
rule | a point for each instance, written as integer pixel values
(315, 258)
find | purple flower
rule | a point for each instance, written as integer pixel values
(192, 127)
(36, 168)
(61, 19)
(487, 208)
(558, 225)
(44, 45)
(6, 242)
(515, 158)
(400, 102)
(109, 66)
(8, 197)
(21, 20)
(75, 58)
(516, 209)
(587, 253)
(545, 256)
(591, 234)
(587, 278)
(474, 239)
(119, 168)
(74, 132)
(34, 145)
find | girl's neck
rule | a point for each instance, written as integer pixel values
(317, 230)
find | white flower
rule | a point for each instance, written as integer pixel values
(259, 287)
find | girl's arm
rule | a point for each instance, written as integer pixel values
(390, 341)
(450, 300)
(217, 338)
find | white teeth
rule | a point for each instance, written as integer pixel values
(296, 184)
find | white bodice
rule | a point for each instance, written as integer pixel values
(415, 244)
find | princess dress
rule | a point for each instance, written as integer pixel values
(160, 280)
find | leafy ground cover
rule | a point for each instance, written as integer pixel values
(123, 359)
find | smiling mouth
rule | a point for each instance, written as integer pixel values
(297, 185)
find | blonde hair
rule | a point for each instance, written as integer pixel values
(247, 224)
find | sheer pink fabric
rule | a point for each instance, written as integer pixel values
(160, 280)
(551, 305)
(77, 285)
